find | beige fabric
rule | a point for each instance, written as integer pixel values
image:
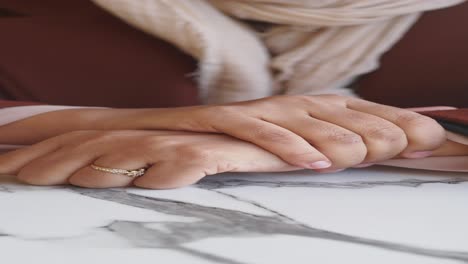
(307, 47)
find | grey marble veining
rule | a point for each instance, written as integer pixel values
(209, 221)
(220, 222)
(217, 184)
(4, 189)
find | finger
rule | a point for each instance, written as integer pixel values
(12, 162)
(342, 147)
(423, 133)
(285, 144)
(92, 178)
(166, 175)
(383, 139)
(55, 168)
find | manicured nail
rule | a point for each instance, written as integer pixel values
(418, 154)
(320, 165)
(364, 165)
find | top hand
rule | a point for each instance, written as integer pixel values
(325, 132)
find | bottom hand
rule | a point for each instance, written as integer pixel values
(173, 159)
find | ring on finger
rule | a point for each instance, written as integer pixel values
(129, 173)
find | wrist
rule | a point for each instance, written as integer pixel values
(52, 123)
(39, 127)
(181, 118)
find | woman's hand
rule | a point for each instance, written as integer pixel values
(173, 159)
(317, 132)
(325, 132)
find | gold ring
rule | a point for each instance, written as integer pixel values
(128, 173)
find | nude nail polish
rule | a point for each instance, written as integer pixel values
(320, 165)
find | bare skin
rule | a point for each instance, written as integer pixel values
(324, 133)
(174, 159)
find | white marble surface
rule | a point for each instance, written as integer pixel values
(375, 215)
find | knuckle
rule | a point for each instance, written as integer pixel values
(346, 149)
(429, 126)
(412, 118)
(390, 134)
(384, 142)
(272, 135)
(385, 149)
(424, 131)
(345, 138)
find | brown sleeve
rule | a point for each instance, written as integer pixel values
(459, 116)
(73, 53)
(452, 120)
(428, 67)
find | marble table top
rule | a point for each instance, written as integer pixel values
(375, 215)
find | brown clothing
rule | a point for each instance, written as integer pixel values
(74, 53)
(453, 120)
(429, 66)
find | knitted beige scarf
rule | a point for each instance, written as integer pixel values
(250, 49)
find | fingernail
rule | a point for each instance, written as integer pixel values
(320, 165)
(364, 165)
(418, 154)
